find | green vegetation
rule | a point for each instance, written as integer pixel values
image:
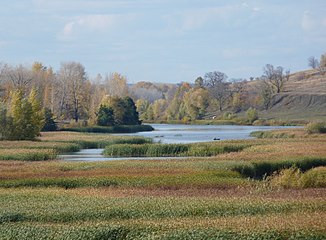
(261, 169)
(49, 123)
(272, 134)
(117, 111)
(294, 178)
(316, 127)
(25, 119)
(252, 115)
(112, 129)
(246, 189)
(27, 154)
(173, 150)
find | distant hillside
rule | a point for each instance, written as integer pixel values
(303, 98)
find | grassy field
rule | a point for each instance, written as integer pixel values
(272, 188)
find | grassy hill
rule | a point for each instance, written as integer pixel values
(303, 98)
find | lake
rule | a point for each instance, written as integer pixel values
(181, 133)
(176, 133)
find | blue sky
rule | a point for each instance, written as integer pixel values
(164, 40)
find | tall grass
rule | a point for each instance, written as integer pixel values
(294, 178)
(316, 127)
(172, 150)
(261, 169)
(271, 134)
(27, 154)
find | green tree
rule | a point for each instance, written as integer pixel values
(49, 123)
(142, 106)
(38, 112)
(105, 116)
(22, 115)
(252, 115)
(6, 124)
(124, 110)
(131, 116)
(196, 102)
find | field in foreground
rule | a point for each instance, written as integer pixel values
(217, 197)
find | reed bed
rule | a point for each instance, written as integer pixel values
(27, 154)
(172, 150)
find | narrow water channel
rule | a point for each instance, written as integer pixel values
(175, 133)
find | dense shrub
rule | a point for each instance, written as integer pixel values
(261, 169)
(252, 115)
(316, 127)
(294, 178)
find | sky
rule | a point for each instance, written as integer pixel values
(168, 41)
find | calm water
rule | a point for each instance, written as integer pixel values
(176, 133)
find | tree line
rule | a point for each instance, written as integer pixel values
(70, 95)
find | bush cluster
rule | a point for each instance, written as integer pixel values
(294, 178)
(316, 127)
(261, 169)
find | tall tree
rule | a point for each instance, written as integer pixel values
(313, 62)
(105, 116)
(116, 85)
(142, 106)
(275, 77)
(6, 123)
(22, 115)
(199, 82)
(20, 77)
(38, 112)
(131, 116)
(72, 77)
(218, 87)
(124, 110)
(196, 102)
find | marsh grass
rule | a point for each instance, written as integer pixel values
(184, 198)
(261, 169)
(27, 154)
(294, 178)
(172, 150)
(165, 181)
(271, 134)
(48, 149)
(70, 214)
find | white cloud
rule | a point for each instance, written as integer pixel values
(91, 23)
